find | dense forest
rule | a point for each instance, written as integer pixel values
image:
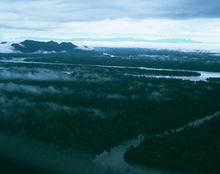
(76, 104)
(195, 149)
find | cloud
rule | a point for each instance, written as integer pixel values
(116, 97)
(69, 19)
(205, 31)
(46, 109)
(21, 88)
(22, 105)
(33, 74)
(6, 48)
(85, 48)
(78, 10)
(41, 74)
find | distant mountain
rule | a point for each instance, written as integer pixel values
(30, 46)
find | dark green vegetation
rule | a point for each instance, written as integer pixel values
(202, 61)
(93, 108)
(9, 166)
(29, 46)
(193, 149)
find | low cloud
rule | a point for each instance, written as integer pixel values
(155, 95)
(21, 88)
(116, 96)
(6, 48)
(33, 74)
(21, 106)
(42, 74)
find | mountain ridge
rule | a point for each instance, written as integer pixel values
(31, 46)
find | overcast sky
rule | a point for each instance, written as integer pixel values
(171, 20)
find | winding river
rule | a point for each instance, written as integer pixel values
(113, 160)
(204, 75)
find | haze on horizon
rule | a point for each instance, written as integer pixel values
(139, 23)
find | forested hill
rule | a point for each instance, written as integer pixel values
(31, 46)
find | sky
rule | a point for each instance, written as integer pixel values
(139, 23)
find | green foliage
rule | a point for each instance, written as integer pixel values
(91, 109)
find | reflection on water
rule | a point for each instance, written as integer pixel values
(113, 160)
(204, 75)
